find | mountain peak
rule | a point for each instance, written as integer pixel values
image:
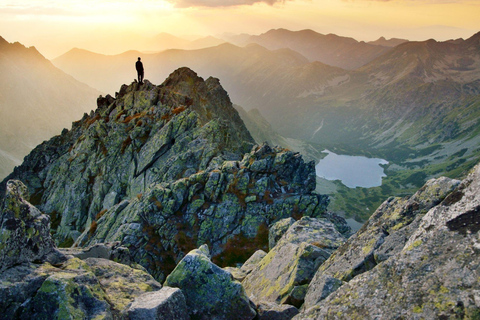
(177, 163)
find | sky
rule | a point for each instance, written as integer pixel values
(114, 26)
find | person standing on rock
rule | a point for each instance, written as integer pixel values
(139, 67)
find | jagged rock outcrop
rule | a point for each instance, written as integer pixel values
(282, 275)
(277, 230)
(421, 264)
(24, 230)
(43, 282)
(381, 237)
(210, 292)
(165, 169)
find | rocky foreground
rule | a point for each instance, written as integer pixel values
(171, 252)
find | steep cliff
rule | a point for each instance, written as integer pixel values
(164, 169)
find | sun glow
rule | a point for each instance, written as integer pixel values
(110, 26)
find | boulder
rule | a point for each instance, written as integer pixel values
(210, 292)
(253, 261)
(239, 273)
(165, 304)
(24, 230)
(120, 282)
(434, 275)
(293, 261)
(274, 311)
(38, 281)
(381, 237)
(276, 231)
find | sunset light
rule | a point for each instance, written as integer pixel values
(108, 26)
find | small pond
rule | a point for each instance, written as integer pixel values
(353, 171)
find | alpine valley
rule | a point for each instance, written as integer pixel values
(167, 201)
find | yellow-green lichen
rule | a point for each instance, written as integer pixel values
(415, 244)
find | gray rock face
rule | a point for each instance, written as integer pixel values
(430, 272)
(24, 230)
(165, 304)
(293, 262)
(37, 281)
(210, 292)
(382, 236)
(210, 206)
(278, 230)
(147, 134)
(163, 170)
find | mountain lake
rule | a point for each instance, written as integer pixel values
(352, 171)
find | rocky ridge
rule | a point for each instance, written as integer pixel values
(416, 257)
(165, 169)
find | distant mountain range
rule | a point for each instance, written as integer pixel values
(37, 101)
(330, 49)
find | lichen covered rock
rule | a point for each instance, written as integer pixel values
(434, 275)
(381, 237)
(277, 230)
(210, 292)
(42, 282)
(164, 169)
(165, 304)
(210, 207)
(293, 261)
(24, 230)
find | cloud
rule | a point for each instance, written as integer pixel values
(220, 3)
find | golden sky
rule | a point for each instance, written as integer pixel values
(113, 26)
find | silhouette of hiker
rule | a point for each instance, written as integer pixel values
(139, 67)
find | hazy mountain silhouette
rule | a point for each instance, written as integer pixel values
(393, 42)
(165, 41)
(330, 49)
(233, 65)
(37, 101)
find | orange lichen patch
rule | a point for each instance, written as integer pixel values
(134, 116)
(267, 197)
(239, 248)
(178, 110)
(157, 203)
(91, 121)
(100, 214)
(119, 114)
(232, 188)
(125, 144)
(93, 228)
